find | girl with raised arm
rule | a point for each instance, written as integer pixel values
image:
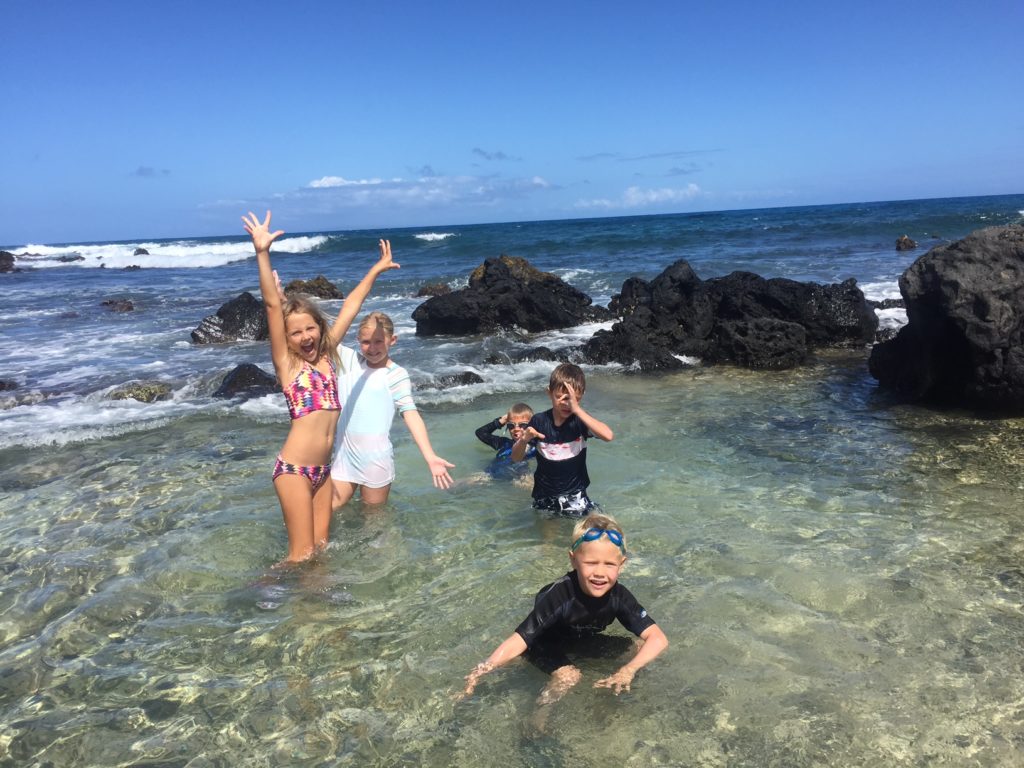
(304, 351)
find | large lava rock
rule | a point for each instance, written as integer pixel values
(741, 319)
(244, 317)
(963, 344)
(247, 380)
(506, 293)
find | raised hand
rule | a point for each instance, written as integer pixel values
(529, 434)
(384, 263)
(570, 396)
(260, 232)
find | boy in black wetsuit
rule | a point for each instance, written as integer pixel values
(560, 437)
(568, 613)
(516, 420)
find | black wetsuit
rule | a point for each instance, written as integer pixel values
(563, 615)
(503, 463)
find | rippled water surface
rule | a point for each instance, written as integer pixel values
(841, 578)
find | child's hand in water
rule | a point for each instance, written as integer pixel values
(262, 237)
(473, 678)
(619, 682)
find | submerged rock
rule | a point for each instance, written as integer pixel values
(506, 293)
(963, 344)
(448, 380)
(241, 318)
(143, 391)
(118, 305)
(528, 356)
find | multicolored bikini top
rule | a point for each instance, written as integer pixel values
(312, 391)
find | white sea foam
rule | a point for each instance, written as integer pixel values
(564, 337)
(72, 420)
(881, 290)
(571, 274)
(891, 318)
(433, 237)
(181, 254)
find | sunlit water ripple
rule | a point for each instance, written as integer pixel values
(840, 578)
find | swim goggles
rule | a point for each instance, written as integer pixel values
(593, 534)
(517, 425)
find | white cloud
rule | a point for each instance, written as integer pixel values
(327, 182)
(635, 197)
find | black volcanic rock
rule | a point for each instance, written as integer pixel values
(904, 243)
(742, 319)
(319, 287)
(244, 317)
(247, 380)
(506, 293)
(434, 289)
(118, 305)
(448, 380)
(963, 344)
(6, 261)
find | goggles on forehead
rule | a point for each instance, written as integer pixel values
(593, 534)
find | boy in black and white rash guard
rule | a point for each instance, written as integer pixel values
(560, 437)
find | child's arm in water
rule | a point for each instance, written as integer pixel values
(262, 237)
(438, 466)
(356, 297)
(597, 428)
(654, 642)
(513, 647)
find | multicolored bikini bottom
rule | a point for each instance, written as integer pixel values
(316, 475)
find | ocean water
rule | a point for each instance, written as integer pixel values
(841, 576)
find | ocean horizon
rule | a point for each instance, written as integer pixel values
(840, 574)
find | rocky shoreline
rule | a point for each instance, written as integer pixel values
(963, 345)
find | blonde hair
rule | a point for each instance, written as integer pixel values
(568, 373)
(598, 520)
(301, 304)
(378, 320)
(519, 408)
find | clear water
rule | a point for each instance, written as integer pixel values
(841, 577)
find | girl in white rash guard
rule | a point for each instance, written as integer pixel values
(372, 387)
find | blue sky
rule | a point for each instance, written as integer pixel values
(135, 120)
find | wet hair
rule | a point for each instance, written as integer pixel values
(378, 320)
(568, 373)
(520, 408)
(301, 304)
(598, 520)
